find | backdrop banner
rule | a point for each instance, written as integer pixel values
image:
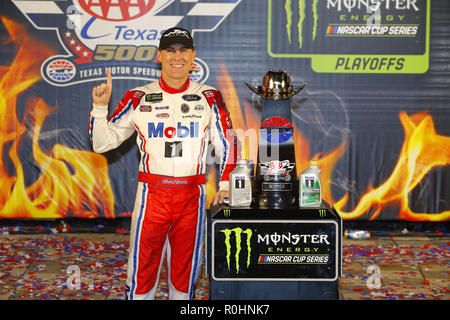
(375, 112)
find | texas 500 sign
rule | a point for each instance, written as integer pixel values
(120, 35)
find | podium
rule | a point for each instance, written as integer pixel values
(274, 254)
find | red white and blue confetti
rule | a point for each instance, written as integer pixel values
(41, 266)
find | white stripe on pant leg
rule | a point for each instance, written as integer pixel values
(134, 255)
(135, 234)
(197, 254)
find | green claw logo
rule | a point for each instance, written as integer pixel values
(302, 15)
(238, 232)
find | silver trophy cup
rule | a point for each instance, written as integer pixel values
(276, 184)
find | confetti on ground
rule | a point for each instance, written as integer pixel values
(406, 268)
(93, 266)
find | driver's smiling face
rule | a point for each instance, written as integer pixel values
(176, 62)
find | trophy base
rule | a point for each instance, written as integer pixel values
(275, 200)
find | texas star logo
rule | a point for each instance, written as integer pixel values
(121, 35)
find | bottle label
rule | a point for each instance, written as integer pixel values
(241, 191)
(310, 189)
(239, 182)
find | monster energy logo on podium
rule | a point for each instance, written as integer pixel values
(322, 213)
(238, 241)
(273, 250)
(276, 173)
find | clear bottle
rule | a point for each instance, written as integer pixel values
(357, 234)
(310, 187)
(240, 185)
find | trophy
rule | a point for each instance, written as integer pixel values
(276, 184)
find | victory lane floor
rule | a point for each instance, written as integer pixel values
(92, 266)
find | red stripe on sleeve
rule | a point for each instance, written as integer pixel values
(134, 95)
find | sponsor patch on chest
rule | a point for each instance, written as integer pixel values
(146, 108)
(153, 97)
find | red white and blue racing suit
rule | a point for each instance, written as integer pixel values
(173, 128)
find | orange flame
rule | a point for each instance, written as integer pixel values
(423, 149)
(71, 181)
(210, 186)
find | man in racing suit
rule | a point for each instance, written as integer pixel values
(175, 118)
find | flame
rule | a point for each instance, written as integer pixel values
(71, 182)
(423, 149)
(210, 186)
(246, 131)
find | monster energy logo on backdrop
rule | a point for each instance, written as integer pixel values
(352, 36)
(288, 7)
(238, 233)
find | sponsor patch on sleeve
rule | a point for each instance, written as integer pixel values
(135, 97)
(210, 95)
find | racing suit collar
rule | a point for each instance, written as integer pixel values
(168, 89)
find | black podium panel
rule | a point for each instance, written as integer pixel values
(273, 290)
(274, 253)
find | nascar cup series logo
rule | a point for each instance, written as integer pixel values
(352, 36)
(119, 35)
